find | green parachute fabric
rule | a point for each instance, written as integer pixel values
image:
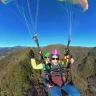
(5, 1)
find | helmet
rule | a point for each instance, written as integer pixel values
(55, 52)
(46, 54)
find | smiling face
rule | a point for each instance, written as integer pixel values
(54, 59)
(47, 59)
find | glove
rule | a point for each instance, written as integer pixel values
(66, 51)
(31, 54)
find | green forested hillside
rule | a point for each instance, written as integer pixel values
(18, 78)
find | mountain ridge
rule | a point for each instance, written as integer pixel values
(16, 69)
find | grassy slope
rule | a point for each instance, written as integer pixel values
(17, 78)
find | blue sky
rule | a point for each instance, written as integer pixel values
(52, 25)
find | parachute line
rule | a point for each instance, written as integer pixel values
(36, 16)
(29, 4)
(27, 23)
(32, 22)
(72, 12)
(20, 10)
(17, 15)
(70, 26)
(75, 25)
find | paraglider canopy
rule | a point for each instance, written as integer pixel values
(5, 1)
(82, 4)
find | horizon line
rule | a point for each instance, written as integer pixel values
(45, 46)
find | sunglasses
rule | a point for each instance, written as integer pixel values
(46, 57)
(55, 58)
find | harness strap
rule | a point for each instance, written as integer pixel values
(61, 75)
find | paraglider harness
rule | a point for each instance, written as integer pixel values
(58, 77)
(62, 72)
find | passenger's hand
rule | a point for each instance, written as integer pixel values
(40, 52)
(50, 85)
(72, 60)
